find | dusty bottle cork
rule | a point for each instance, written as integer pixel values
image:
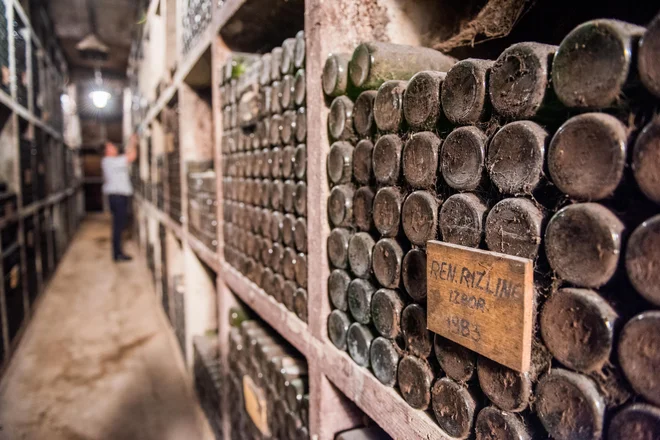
(592, 64)
(639, 420)
(413, 325)
(387, 205)
(463, 157)
(513, 226)
(646, 160)
(413, 274)
(569, 405)
(386, 308)
(360, 293)
(387, 159)
(583, 244)
(338, 323)
(519, 80)
(338, 282)
(465, 91)
(387, 261)
(359, 340)
(388, 106)
(577, 326)
(454, 407)
(642, 256)
(421, 103)
(420, 160)
(639, 354)
(462, 219)
(363, 207)
(420, 217)
(587, 156)
(415, 377)
(363, 114)
(494, 424)
(515, 157)
(458, 362)
(384, 357)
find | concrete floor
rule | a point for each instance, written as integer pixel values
(98, 361)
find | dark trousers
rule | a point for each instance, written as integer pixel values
(119, 210)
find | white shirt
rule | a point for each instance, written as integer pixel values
(115, 176)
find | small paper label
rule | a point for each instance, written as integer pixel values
(255, 405)
(481, 300)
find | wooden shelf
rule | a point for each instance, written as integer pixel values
(34, 207)
(209, 257)
(286, 323)
(24, 113)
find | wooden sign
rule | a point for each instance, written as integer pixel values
(255, 405)
(481, 300)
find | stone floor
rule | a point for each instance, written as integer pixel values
(98, 360)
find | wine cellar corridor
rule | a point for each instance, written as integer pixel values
(329, 220)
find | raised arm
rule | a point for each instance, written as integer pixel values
(132, 148)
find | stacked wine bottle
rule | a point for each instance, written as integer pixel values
(548, 153)
(264, 171)
(264, 367)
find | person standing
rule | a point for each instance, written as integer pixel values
(117, 186)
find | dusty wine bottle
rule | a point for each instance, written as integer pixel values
(363, 162)
(373, 63)
(388, 106)
(288, 127)
(340, 119)
(639, 420)
(465, 91)
(338, 282)
(360, 293)
(285, 162)
(415, 377)
(299, 50)
(639, 355)
(274, 129)
(462, 158)
(513, 227)
(462, 219)
(362, 208)
(420, 217)
(458, 362)
(300, 199)
(646, 160)
(360, 251)
(287, 294)
(276, 64)
(587, 156)
(577, 326)
(647, 58)
(592, 64)
(506, 388)
(301, 125)
(358, 341)
(334, 78)
(494, 424)
(642, 257)
(300, 304)
(300, 162)
(363, 114)
(288, 196)
(386, 308)
(299, 88)
(420, 159)
(583, 243)
(288, 47)
(569, 405)
(338, 247)
(340, 205)
(421, 103)
(300, 234)
(338, 323)
(413, 274)
(519, 80)
(454, 407)
(387, 159)
(387, 206)
(384, 357)
(413, 325)
(340, 162)
(515, 157)
(387, 260)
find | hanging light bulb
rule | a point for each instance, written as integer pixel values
(99, 97)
